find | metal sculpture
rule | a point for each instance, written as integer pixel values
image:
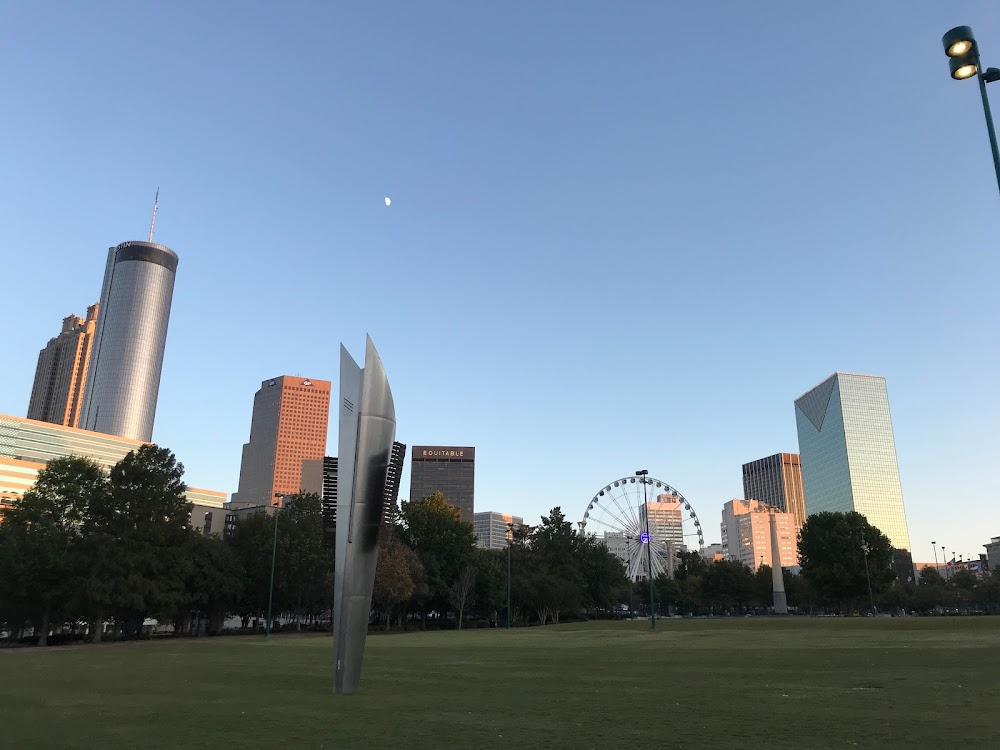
(367, 429)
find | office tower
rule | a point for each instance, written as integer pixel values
(493, 530)
(288, 426)
(746, 534)
(849, 453)
(392, 479)
(57, 393)
(329, 493)
(446, 469)
(777, 481)
(123, 381)
(330, 501)
(666, 520)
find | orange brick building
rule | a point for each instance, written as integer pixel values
(289, 425)
(61, 374)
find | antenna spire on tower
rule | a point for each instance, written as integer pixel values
(152, 224)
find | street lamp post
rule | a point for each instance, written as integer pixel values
(274, 554)
(510, 543)
(631, 580)
(934, 545)
(649, 552)
(963, 60)
(871, 599)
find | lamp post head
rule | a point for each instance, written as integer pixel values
(963, 66)
(958, 41)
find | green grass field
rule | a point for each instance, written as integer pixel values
(823, 683)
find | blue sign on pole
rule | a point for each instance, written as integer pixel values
(644, 537)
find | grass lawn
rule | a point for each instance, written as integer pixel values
(802, 683)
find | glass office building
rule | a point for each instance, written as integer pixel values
(849, 454)
(123, 382)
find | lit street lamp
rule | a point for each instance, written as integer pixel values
(510, 543)
(274, 552)
(864, 548)
(649, 552)
(963, 60)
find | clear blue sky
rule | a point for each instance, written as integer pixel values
(623, 235)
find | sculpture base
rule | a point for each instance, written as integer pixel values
(780, 603)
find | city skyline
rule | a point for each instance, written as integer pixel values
(525, 189)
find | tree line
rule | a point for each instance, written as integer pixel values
(91, 552)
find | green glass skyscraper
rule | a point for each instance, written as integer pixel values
(849, 453)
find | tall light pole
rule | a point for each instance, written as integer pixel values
(649, 552)
(963, 60)
(934, 545)
(274, 554)
(631, 580)
(871, 599)
(510, 543)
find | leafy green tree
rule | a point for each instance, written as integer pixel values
(668, 593)
(251, 542)
(42, 538)
(603, 576)
(213, 584)
(691, 598)
(491, 583)
(763, 587)
(689, 564)
(728, 584)
(135, 541)
(304, 565)
(396, 579)
(832, 557)
(433, 528)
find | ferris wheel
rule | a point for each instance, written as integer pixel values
(617, 516)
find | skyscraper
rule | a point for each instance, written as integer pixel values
(494, 530)
(446, 469)
(123, 381)
(328, 481)
(666, 519)
(849, 453)
(288, 426)
(746, 534)
(777, 481)
(57, 393)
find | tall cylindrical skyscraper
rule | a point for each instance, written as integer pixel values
(127, 356)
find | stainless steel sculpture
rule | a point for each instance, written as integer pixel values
(367, 429)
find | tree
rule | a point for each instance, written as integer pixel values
(603, 576)
(763, 587)
(304, 565)
(42, 538)
(433, 528)
(461, 590)
(728, 584)
(689, 564)
(251, 542)
(214, 582)
(832, 557)
(396, 578)
(490, 594)
(135, 541)
(668, 592)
